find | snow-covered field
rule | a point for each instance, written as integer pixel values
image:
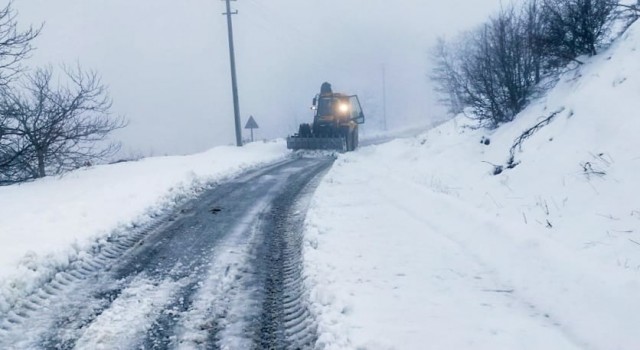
(46, 224)
(415, 244)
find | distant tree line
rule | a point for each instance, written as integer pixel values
(495, 69)
(49, 123)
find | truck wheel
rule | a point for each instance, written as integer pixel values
(352, 145)
(356, 139)
(352, 140)
(348, 139)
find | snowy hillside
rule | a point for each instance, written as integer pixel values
(429, 244)
(46, 224)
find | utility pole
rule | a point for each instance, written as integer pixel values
(234, 81)
(384, 96)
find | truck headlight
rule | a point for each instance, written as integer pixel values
(343, 107)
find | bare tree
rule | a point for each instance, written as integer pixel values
(532, 26)
(574, 27)
(493, 70)
(59, 127)
(7, 154)
(15, 44)
(497, 68)
(629, 12)
(446, 74)
(14, 159)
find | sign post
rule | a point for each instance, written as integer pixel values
(251, 124)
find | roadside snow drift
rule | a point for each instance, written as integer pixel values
(415, 244)
(46, 224)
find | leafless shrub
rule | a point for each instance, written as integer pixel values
(496, 69)
(491, 70)
(572, 28)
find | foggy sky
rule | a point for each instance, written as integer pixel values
(167, 65)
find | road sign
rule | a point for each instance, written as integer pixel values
(251, 124)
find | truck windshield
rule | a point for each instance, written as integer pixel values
(325, 106)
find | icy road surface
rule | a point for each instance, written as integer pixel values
(222, 271)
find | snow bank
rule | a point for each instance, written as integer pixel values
(45, 224)
(416, 244)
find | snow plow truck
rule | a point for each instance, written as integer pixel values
(335, 123)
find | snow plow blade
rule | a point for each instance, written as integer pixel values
(317, 143)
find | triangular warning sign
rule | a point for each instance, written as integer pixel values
(251, 123)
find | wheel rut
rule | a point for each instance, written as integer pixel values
(286, 321)
(240, 239)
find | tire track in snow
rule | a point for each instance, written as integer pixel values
(192, 320)
(34, 316)
(130, 316)
(196, 278)
(259, 300)
(286, 321)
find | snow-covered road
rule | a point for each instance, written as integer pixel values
(222, 271)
